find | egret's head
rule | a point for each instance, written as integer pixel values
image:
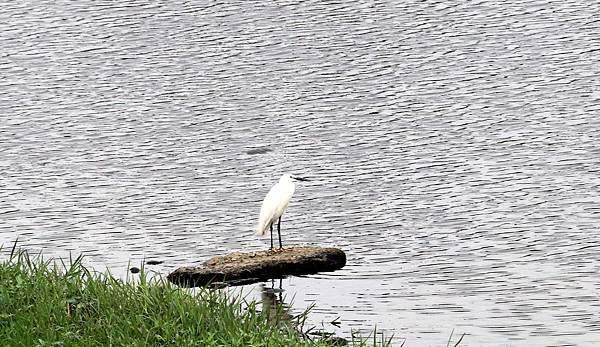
(286, 178)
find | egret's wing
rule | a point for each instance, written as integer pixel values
(267, 211)
(284, 195)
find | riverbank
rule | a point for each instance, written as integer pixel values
(49, 303)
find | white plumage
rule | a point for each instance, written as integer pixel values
(274, 205)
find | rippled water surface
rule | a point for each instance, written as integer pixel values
(452, 146)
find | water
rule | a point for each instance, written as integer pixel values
(452, 146)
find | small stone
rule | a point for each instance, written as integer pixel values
(154, 262)
(134, 270)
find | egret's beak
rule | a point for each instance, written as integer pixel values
(301, 179)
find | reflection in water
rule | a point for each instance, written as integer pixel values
(273, 303)
(280, 314)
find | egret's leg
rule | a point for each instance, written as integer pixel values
(280, 291)
(279, 231)
(271, 227)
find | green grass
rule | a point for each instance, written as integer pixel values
(53, 303)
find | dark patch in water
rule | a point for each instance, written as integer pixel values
(154, 262)
(260, 150)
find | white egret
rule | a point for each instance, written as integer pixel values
(274, 205)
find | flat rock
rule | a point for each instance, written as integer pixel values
(245, 268)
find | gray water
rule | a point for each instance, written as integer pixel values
(452, 147)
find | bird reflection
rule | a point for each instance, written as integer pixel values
(279, 314)
(273, 304)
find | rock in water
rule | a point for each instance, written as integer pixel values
(245, 268)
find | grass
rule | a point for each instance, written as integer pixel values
(53, 303)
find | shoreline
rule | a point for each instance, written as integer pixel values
(44, 302)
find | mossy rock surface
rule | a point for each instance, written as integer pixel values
(245, 268)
